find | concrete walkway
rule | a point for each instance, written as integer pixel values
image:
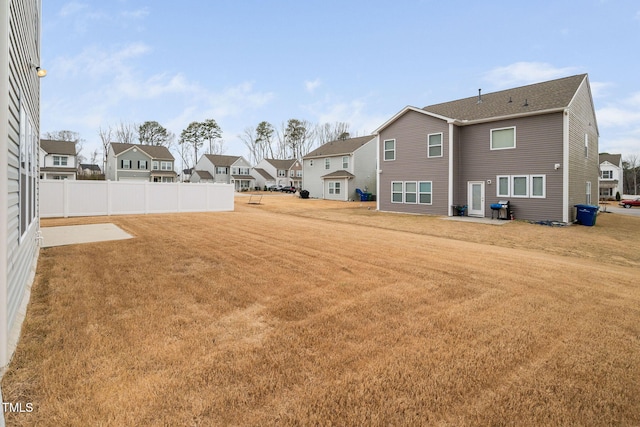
(73, 234)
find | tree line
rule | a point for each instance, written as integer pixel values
(291, 139)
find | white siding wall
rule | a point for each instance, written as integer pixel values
(19, 86)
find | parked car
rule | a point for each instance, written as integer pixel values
(275, 188)
(289, 189)
(627, 203)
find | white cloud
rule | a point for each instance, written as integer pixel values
(523, 73)
(311, 86)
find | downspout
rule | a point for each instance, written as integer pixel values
(565, 166)
(450, 189)
(378, 172)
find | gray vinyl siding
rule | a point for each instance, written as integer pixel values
(538, 148)
(412, 164)
(23, 87)
(582, 169)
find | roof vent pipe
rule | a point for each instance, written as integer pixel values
(479, 96)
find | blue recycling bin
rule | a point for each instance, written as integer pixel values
(586, 214)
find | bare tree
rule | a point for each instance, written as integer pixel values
(327, 132)
(126, 133)
(248, 138)
(68, 136)
(105, 139)
(631, 164)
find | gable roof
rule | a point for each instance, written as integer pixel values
(90, 167)
(614, 159)
(334, 148)
(51, 146)
(203, 174)
(551, 95)
(153, 151)
(266, 175)
(282, 164)
(221, 160)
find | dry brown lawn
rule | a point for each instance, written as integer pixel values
(307, 312)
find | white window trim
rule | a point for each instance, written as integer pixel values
(502, 148)
(498, 186)
(126, 162)
(345, 162)
(513, 177)
(384, 150)
(395, 192)
(544, 186)
(327, 163)
(441, 145)
(430, 193)
(405, 192)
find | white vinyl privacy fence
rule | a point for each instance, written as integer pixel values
(67, 198)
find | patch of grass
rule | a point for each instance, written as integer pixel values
(302, 312)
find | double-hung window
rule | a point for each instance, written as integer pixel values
(327, 163)
(607, 174)
(142, 164)
(126, 164)
(345, 162)
(503, 187)
(334, 187)
(538, 185)
(396, 192)
(390, 149)
(424, 192)
(410, 192)
(434, 145)
(165, 166)
(156, 165)
(504, 138)
(60, 160)
(519, 186)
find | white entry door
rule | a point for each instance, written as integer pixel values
(475, 198)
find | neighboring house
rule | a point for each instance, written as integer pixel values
(186, 175)
(534, 146)
(202, 176)
(136, 162)
(270, 172)
(57, 159)
(335, 169)
(224, 169)
(87, 169)
(610, 175)
(19, 129)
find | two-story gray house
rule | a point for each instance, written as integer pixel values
(224, 169)
(270, 172)
(610, 175)
(534, 146)
(136, 162)
(57, 159)
(20, 130)
(334, 170)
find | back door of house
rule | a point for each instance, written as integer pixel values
(475, 198)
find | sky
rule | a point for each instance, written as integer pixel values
(240, 62)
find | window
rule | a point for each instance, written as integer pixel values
(503, 138)
(27, 171)
(588, 198)
(503, 189)
(396, 192)
(291, 173)
(434, 142)
(165, 166)
(586, 145)
(282, 173)
(327, 163)
(221, 170)
(390, 149)
(156, 165)
(345, 162)
(607, 174)
(142, 164)
(538, 185)
(424, 192)
(334, 187)
(126, 164)
(519, 186)
(60, 161)
(299, 173)
(410, 192)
